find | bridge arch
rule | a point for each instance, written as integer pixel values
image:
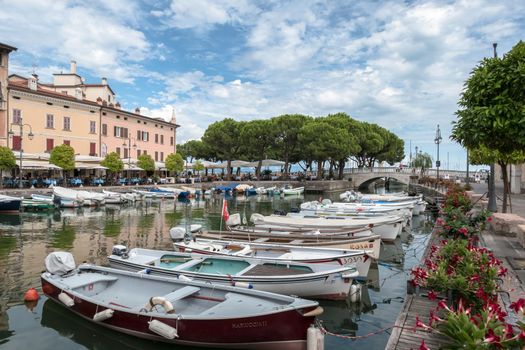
(360, 179)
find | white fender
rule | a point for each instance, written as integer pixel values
(66, 299)
(163, 329)
(166, 304)
(103, 315)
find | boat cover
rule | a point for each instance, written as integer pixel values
(59, 263)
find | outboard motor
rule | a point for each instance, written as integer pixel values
(195, 228)
(119, 250)
(60, 263)
(279, 212)
(177, 234)
(295, 210)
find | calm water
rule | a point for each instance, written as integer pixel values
(89, 234)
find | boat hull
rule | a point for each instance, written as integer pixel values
(10, 206)
(281, 330)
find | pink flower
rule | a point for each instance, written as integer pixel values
(492, 338)
(432, 295)
(509, 331)
(489, 219)
(420, 324)
(443, 305)
(502, 272)
(423, 346)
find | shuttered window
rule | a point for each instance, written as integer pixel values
(50, 144)
(92, 149)
(17, 116)
(17, 143)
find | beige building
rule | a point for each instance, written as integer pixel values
(36, 117)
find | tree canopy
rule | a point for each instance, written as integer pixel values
(422, 161)
(7, 158)
(63, 156)
(113, 162)
(174, 162)
(146, 162)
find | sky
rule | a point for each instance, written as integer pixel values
(400, 64)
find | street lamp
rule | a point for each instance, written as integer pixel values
(128, 145)
(492, 205)
(437, 141)
(21, 134)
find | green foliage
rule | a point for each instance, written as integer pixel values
(198, 166)
(258, 138)
(113, 162)
(288, 147)
(422, 161)
(174, 162)
(193, 149)
(7, 158)
(63, 156)
(146, 162)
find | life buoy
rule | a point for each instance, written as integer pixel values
(165, 303)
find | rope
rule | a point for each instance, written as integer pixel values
(356, 337)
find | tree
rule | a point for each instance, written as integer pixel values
(258, 137)
(174, 162)
(113, 162)
(7, 160)
(370, 140)
(491, 112)
(223, 141)
(64, 157)
(344, 121)
(193, 149)
(287, 146)
(483, 155)
(423, 161)
(147, 163)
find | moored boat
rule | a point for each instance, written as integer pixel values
(180, 311)
(296, 190)
(9, 204)
(291, 278)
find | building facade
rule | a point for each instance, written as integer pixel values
(85, 116)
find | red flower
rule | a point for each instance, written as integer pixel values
(502, 272)
(432, 295)
(489, 219)
(443, 305)
(420, 324)
(423, 346)
(509, 331)
(518, 305)
(492, 338)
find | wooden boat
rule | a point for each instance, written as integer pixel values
(387, 226)
(275, 252)
(370, 243)
(296, 190)
(67, 198)
(179, 311)
(290, 278)
(9, 204)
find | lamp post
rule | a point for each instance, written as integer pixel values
(21, 134)
(437, 141)
(128, 145)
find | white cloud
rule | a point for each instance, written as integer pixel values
(97, 38)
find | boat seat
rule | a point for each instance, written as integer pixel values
(181, 293)
(85, 279)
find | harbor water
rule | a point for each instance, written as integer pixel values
(90, 233)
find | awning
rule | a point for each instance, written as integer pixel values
(131, 167)
(79, 165)
(38, 165)
(268, 162)
(160, 166)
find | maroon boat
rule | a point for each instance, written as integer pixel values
(180, 311)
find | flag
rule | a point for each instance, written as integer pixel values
(225, 214)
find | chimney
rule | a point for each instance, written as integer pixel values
(32, 82)
(104, 81)
(78, 94)
(173, 116)
(99, 100)
(73, 69)
(117, 105)
(137, 110)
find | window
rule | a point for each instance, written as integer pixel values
(67, 142)
(156, 156)
(145, 152)
(67, 123)
(92, 149)
(139, 135)
(171, 141)
(92, 127)
(161, 156)
(104, 129)
(120, 132)
(50, 144)
(17, 143)
(156, 138)
(17, 116)
(125, 153)
(138, 153)
(145, 136)
(161, 139)
(109, 98)
(118, 151)
(50, 121)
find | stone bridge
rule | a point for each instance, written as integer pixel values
(360, 177)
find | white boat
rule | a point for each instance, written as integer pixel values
(129, 197)
(66, 197)
(156, 194)
(42, 198)
(114, 197)
(178, 311)
(261, 190)
(296, 190)
(276, 252)
(387, 226)
(92, 198)
(289, 278)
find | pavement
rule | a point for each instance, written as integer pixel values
(509, 250)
